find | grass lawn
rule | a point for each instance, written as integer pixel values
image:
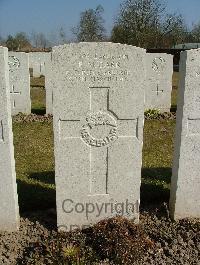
(35, 163)
(38, 100)
(38, 95)
(33, 144)
(157, 160)
(37, 81)
(175, 82)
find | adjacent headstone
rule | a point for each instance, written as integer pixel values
(185, 184)
(9, 213)
(49, 86)
(37, 61)
(98, 129)
(159, 81)
(19, 82)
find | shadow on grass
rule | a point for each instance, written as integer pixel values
(155, 186)
(47, 177)
(158, 174)
(37, 202)
(173, 108)
(40, 111)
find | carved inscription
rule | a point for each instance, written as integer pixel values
(109, 57)
(193, 127)
(1, 132)
(197, 73)
(13, 63)
(100, 68)
(95, 121)
(196, 147)
(158, 64)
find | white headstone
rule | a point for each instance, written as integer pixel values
(185, 184)
(159, 81)
(49, 86)
(98, 126)
(9, 213)
(38, 62)
(19, 82)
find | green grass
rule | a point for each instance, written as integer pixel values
(35, 163)
(38, 95)
(38, 81)
(175, 82)
(174, 99)
(38, 100)
(157, 160)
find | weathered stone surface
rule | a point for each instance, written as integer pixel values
(49, 85)
(37, 61)
(19, 82)
(185, 184)
(98, 131)
(159, 81)
(9, 219)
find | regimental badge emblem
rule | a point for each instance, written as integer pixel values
(13, 63)
(100, 129)
(158, 64)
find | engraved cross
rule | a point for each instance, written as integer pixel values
(158, 91)
(13, 93)
(121, 130)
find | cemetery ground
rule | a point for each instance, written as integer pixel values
(157, 240)
(38, 95)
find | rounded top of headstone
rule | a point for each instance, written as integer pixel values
(97, 44)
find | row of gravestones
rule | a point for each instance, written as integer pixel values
(159, 69)
(37, 61)
(98, 135)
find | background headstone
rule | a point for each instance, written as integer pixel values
(37, 61)
(19, 82)
(98, 130)
(158, 81)
(185, 184)
(9, 213)
(49, 86)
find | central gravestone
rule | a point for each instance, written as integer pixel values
(98, 126)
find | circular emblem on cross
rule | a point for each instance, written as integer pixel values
(13, 63)
(99, 130)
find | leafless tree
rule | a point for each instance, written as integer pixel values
(144, 23)
(39, 40)
(195, 33)
(90, 26)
